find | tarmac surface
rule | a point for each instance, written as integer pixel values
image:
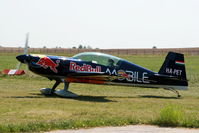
(130, 129)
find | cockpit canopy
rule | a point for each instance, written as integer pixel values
(98, 58)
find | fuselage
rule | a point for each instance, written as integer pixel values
(82, 69)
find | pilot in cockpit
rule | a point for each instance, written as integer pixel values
(110, 62)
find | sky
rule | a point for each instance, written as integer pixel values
(100, 23)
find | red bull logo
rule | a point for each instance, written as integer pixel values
(84, 68)
(46, 62)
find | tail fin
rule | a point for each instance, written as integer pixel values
(174, 65)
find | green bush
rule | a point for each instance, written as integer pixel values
(170, 116)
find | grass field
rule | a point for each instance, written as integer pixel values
(23, 108)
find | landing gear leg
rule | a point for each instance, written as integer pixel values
(65, 92)
(49, 91)
(66, 85)
(175, 91)
(55, 86)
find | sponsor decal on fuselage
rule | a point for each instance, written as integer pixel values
(122, 75)
(46, 62)
(84, 68)
(130, 76)
(134, 77)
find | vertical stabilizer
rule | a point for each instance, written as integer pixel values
(174, 65)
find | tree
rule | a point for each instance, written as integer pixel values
(80, 46)
(154, 47)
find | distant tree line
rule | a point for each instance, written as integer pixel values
(79, 47)
(82, 47)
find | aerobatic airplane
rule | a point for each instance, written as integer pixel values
(99, 68)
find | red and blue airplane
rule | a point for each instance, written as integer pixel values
(99, 68)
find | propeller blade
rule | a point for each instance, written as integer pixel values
(18, 65)
(25, 51)
(26, 44)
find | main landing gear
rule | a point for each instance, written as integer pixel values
(175, 91)
(61, 93)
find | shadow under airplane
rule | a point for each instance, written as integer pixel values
(79, 98)
(158, 97)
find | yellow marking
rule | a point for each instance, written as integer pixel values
(38, 55)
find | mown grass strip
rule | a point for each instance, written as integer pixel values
(67, 124)
(169, 117)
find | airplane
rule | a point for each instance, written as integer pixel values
(105, 69)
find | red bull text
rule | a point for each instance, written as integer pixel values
(84, 68)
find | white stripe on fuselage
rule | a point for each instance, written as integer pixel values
(151, 85)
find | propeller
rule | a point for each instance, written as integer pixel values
(25, 50)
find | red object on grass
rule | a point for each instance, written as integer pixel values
(13, 72)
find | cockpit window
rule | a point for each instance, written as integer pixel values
(99, 58)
